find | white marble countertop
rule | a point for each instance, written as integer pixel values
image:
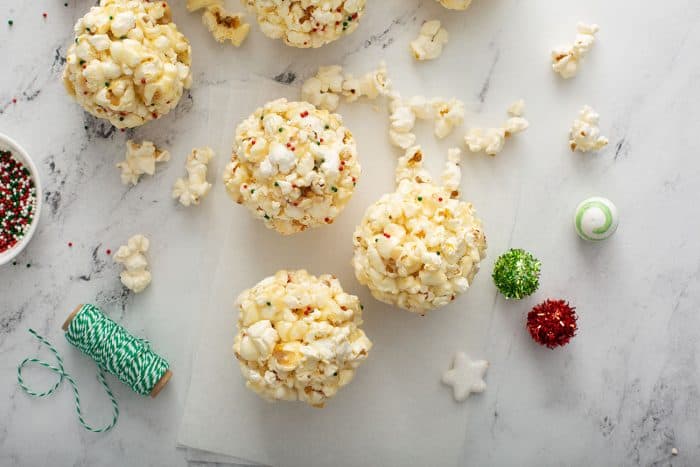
(625, 392)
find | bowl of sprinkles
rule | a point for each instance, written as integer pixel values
(20, 199)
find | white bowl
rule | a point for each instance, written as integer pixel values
(8, 144)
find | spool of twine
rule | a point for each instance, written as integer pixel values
(113, 349)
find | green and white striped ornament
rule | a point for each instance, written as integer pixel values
(596, 219)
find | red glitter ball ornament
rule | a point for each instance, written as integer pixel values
(552, 323)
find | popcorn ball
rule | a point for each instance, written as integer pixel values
(420, 247)
(293, 166)
(299, 337)
(129, 63)
(307, 23)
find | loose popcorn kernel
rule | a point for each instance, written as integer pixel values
(136, 276)
(446, 114)
(225, 26)
(293, 166)
(567, 59)
(585, 133)
(191, 190)
(324, 89)
(129, 64)
(492, 140)
(299, 337)
(429, 43)
(456, 4)
(140, 159)
(419, 247)
(194, 5)
(307, 23)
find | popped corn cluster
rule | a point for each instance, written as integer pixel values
(299, 337)
(456, 4)
(191, 190)
(429, 43)
(222, 24)
(136, 276)
(447, 114)
(566, 59)
(129, 64)
(140, 159)
(585, 134)
(419, 247)
(307, 23)
(492, 140)
(324, 89)
(293, 166)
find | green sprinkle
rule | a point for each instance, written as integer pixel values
(252, 191)
(517, 274)
(327, 127)
(10, 22)
(362, 307)
(334, 189)
(277, 184)
(269, 304)
(267, 217)
(111, 18)
(281, 130)
(437, 253)
(106, 84)
(420, 198)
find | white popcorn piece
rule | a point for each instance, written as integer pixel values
(455, 4)
(492, 140)
(585, 134)
(307, 23)
(136, 275)
(430, 42)
(194, 5)
(299, 337)
(324, 89)
(191, 190)
(140, 159)
(419, 247)
(447, 114)
(129, 64)
(567, 59)
(225, 26)
(293, 166)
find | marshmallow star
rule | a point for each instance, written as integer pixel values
(465, 376)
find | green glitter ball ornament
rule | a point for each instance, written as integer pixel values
(517, 274)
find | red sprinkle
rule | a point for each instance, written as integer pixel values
(44, 14)
(109, 252)
(70, 244)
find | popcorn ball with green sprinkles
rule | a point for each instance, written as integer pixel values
(17, 201)
(517, 274)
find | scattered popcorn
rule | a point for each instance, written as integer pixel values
(428, 45)
(140, 159)
(419, 247)
(136, 276)
(585, 134)
(191, 190)
(194, 5)
(456, 4)
(446, 114)
(293, 166)
(225, 26)
(492, 140)
(566, 60)
(324, 89)
(299, 337)
(307, 23)
(517, 108)
(129, 64)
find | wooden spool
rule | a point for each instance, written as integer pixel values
(162, 382)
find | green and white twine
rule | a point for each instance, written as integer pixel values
(113, 349)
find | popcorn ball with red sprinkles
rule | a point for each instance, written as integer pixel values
(552, 323)
(17, 201)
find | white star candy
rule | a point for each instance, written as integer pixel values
(466, 376)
